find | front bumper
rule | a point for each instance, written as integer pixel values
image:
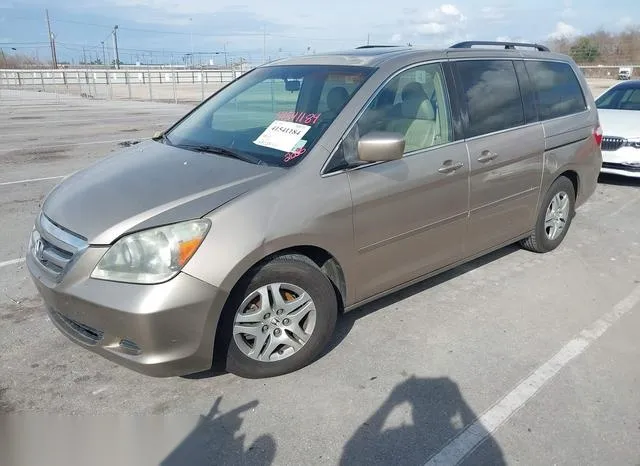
(159, 330)
(624, 161)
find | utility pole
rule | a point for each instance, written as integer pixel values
(52, 42)
(191, 39)
(264, 44)
(226, 62)
(84, 55)
(368, 38)
(115, 46)
(104, 56)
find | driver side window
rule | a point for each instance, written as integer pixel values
(414, 104)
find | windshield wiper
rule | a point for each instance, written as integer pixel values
(222, 151)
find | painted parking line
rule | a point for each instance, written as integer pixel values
(11, 262)
(31, 180)
(470, 438)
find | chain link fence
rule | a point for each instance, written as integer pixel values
(188, 86)
(161, 85)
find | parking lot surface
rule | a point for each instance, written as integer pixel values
(515, 358)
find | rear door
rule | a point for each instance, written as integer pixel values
(506, 147)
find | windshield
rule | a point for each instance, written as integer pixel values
(626, 98)
(274, 114)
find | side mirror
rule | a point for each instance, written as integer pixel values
(157, 135)
(381, 146)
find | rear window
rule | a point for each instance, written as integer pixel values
(492, 95)
(557, 88)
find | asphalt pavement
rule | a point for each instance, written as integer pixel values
(515, 358)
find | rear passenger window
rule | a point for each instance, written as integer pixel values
(492, 96)
(559, 92)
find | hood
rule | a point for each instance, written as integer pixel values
(620, 123)
(148, 185)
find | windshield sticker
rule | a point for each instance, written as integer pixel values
(299, 117)
(289, 156)
(282, 135)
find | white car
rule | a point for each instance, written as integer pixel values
(619, 112)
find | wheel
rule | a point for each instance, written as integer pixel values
(554, 218)
(279, 318)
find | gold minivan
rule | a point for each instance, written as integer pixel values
(306, 188)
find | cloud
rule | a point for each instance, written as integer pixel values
(445, 19)
(568, 12)
(512, 39)
(492, 13)
(625, 22)
(164, 20)
(564, 31)
(396, 38)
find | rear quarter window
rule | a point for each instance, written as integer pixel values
(557, 88)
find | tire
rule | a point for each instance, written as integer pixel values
(540, 241)
(286, 273)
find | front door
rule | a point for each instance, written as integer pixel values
(410, 215)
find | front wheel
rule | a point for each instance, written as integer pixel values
(279, 319)
(554, 217)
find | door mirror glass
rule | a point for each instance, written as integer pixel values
(380, 146)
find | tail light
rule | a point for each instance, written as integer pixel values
(597, 134)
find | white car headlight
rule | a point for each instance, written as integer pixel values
(152, 256)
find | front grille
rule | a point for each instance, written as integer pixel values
(611, 143)
(629, 167)
(82, 331)
(54, 248)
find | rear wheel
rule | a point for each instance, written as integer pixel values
(554, 218)
(279, 318)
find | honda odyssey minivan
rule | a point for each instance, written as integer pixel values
(308, 187)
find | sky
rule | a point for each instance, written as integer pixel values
(257, 30)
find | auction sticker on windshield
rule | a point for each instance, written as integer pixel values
(282, 135)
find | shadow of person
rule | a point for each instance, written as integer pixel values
(437, 413)
(213, 441)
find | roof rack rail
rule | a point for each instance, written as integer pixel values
(507, 45)
(375, 46)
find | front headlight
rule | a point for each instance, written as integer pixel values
(152, 256)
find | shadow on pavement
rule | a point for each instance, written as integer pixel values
(437, 413)
(215, 440)
(347, 320)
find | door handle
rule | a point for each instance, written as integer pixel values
(487, 156)
(449, 167)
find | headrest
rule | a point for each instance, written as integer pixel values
(336, 98)
(418, 109)
(413, 90)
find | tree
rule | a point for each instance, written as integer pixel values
(584, 51)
